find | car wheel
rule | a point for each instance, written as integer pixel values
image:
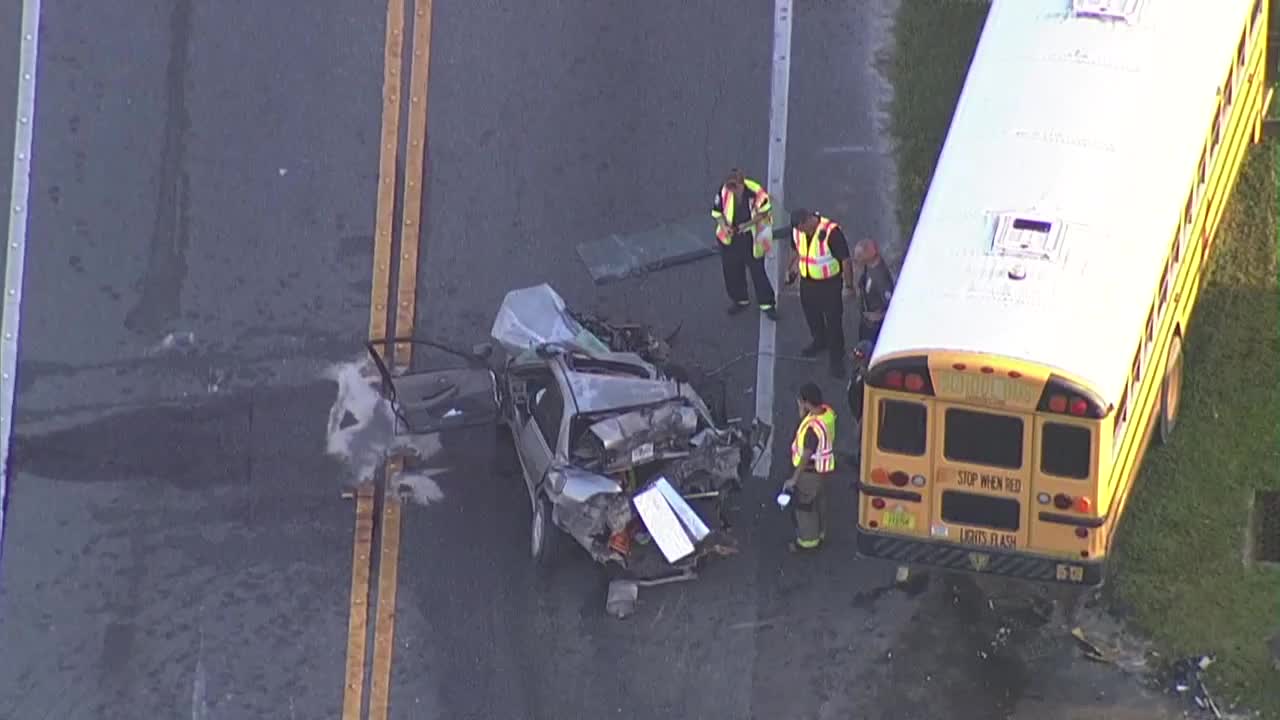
(544, 536)
(1170, 392)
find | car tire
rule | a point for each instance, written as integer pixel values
(1170, 392)
(544, 537)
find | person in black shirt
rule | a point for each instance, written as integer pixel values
(875, 289)
(820, 259)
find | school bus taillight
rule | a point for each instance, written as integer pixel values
(1064, 397)
(909, 374)
(1077, 406)
(911, 382)
(897, 478)
(1063, 501)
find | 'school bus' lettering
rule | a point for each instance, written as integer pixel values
(987, 388)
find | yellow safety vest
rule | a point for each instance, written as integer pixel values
(816, 260)
(823, 425)
(760, 205)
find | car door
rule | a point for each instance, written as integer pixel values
(540, 433)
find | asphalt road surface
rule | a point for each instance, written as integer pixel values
(200, 258)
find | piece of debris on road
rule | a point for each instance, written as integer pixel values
(1187, 680)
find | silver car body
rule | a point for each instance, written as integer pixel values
(591, 427)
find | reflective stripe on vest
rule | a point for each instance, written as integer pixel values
(816, 260)
(759, 201)
(823, 425)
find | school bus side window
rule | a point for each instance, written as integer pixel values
(1066, 450)
(901, 427)
(983, 439)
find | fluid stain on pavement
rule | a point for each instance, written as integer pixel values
(201, 444)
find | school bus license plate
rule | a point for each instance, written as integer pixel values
(898, 520)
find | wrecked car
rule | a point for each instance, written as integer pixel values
(617, 454)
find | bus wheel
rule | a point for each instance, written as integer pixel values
(1171, 391)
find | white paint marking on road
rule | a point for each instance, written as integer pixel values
(15, 248)
(778, 97)
(199, 705)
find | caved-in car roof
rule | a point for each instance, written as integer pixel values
(596, 392)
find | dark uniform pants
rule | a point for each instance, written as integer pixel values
(737, 260)
(823, 304)
(810, 502)
(869, 329)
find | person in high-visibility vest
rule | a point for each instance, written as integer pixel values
(820, 260)
(744, 234)
(813, 460)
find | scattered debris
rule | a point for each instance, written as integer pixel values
(623, 592)
(1090, 650)
(621, 601)
(216, 378)
(1187, 680)
(419, 488)
(174, 341)
(628, 337)
(361, 425)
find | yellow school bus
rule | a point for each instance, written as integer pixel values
(1034, 346)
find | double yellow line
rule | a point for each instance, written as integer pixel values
(388, 234)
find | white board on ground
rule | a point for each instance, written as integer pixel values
(663, 524)
(687, 515)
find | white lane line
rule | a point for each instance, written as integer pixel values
(15, 248)
(778, 96)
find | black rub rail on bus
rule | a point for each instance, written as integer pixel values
(911, 551)
(1061, 396)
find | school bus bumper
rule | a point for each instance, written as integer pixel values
(913, 551)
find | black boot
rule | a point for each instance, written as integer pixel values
(812, 349)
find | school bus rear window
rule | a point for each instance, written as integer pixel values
(983, 439)
(901, 427)
(1065, 450)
